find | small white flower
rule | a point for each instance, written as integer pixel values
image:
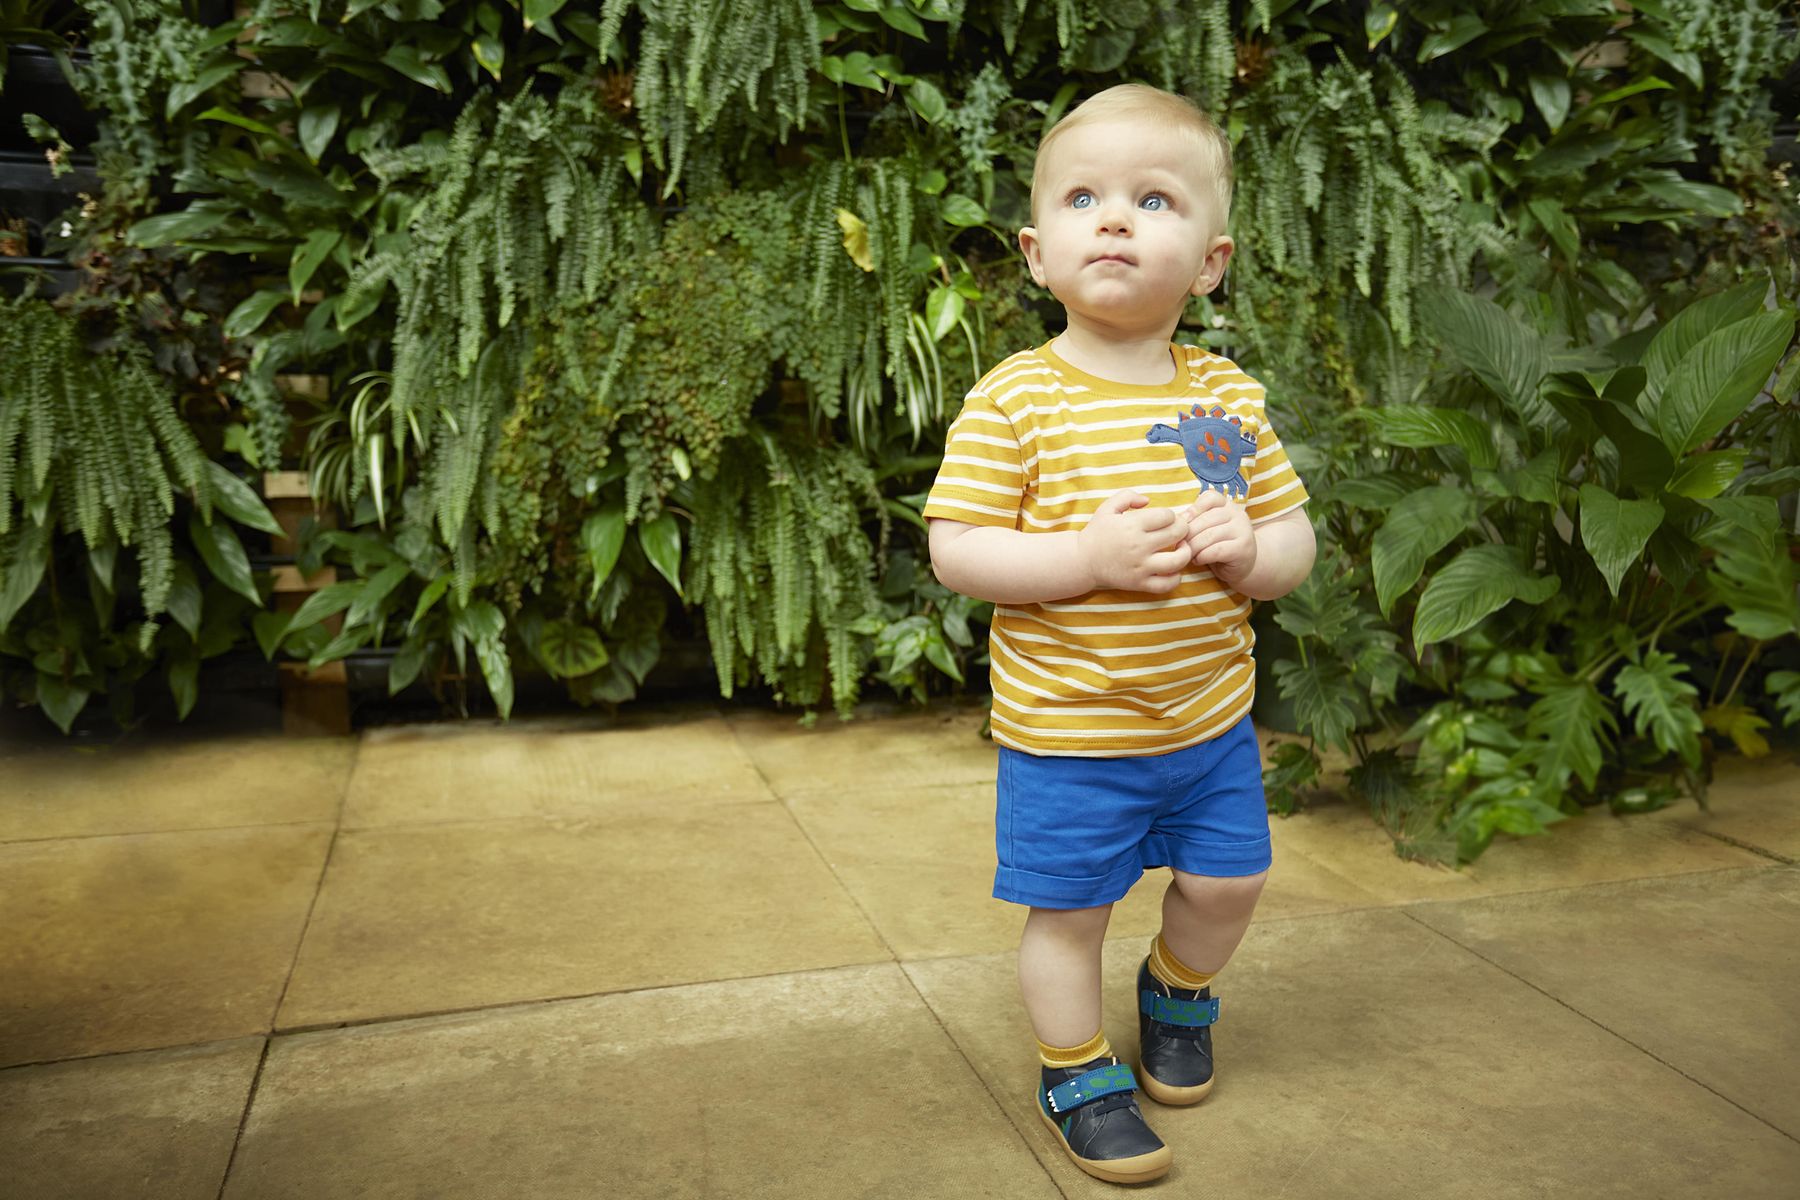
(66, 229)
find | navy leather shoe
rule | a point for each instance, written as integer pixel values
(1092, 1109)
(1175, 1039)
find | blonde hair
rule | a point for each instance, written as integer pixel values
(1183, 116)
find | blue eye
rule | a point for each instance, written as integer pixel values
(1154, 202)
(1081, 200)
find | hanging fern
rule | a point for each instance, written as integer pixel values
(91, 443)
(783, 567)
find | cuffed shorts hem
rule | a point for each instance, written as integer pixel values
(1219, 859)
(1056, 891)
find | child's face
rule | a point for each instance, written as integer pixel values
(1126, 229)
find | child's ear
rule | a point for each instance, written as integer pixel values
(1212, 268)
(1033, 251)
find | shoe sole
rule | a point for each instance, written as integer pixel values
(1140, 1168)
(1175, 1097)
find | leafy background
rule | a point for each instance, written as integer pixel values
(643, 322)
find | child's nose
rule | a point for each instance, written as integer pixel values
(1115, 217)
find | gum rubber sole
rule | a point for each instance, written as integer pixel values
(1140, 1168)
(1177, 1097)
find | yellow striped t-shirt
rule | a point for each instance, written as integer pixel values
(1037, 447)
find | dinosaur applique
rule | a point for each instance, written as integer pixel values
(1214, 445)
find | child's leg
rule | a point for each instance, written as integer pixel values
(1059, 972)
(1205, 917)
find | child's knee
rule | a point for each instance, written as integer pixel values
(1220, 893)
(1069, 924)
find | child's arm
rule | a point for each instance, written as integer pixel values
(1263, 562)
(1126, 545)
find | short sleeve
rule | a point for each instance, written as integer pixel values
(1275, 487)
(982, 479)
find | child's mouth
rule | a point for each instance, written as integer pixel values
(1114, 258)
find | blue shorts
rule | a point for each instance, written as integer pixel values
(1078, 832)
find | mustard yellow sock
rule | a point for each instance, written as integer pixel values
(1172, 971)
(1074, 1056)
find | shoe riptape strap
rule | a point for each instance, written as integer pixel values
(1083, 1089)
(1172, 1010)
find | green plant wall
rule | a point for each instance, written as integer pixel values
(644, 320)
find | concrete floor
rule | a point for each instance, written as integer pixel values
(697, 954)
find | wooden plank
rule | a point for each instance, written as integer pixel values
(287, 485)
(289, 580)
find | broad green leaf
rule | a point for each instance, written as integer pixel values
(1719, 377)
(1688, 196)
(269, 627)
(661, 540)
(249, 315)
(404, 667)
(1416, 528)
(329, 600)
(602, 537)
(1419, 425)
(405, 58)
(962, 211)
(198, 218)
(1615, 531)
(184, 682)
(226, 116)
(224, 556)
(1685, 61)
(1785, 687)
(1755, 575)
(307, 257)
(1376, 492)
(184, 599)
(538, 10)
(434, 591)
(1504, 353)
(480, 620)
(1564, 233)
(1703, 476)
(23, 569)
(1462, 29)
(490, 52)
(496, 668)
(924, 98)
(317, 125)
(1687, 328)
(61, 702)
(568, 649)
(897, 16)
(1479, 581)
(1571, 722)
(1323, 606)
(233, 497)
(1378, 22)
(943, 308)
(368, 602)
(1326, 704)
(1551, 94)
(185, 92)
(1535, 481)
(1661, 704)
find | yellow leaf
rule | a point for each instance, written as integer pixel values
(1741, 724)
(856, 238)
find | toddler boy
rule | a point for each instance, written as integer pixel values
(1122, 499)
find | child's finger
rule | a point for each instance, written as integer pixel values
(1210, 499)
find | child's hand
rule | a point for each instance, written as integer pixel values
(1131, 546)
(1220, 535)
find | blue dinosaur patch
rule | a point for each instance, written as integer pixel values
(1215, 446)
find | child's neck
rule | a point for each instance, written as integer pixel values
(1133, 360)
